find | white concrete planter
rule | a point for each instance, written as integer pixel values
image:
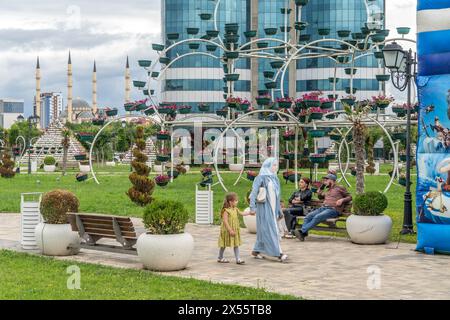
(250, 223)
(236, 167)
(57, 239)
(110, 163)
(369, 229)
(165, 252)
(85, 168)
(49, 168)
(157, 168)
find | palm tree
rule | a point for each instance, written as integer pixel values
(65, 144)
(356, 116)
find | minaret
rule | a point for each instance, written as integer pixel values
(38, 92)
(127, 82)
(94, 89)
(69, 90)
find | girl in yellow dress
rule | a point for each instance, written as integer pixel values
(230, 235)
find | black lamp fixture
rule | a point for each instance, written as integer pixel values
(20, 118)
(402, 65)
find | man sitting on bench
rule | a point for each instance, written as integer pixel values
(334, 202)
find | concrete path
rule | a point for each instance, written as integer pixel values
(319, 268)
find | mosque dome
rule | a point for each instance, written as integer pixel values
(79, 104)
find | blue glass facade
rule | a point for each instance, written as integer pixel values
(338, 15)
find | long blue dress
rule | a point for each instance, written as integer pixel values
(267, 236)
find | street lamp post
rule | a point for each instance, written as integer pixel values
(32, 121)
(402, 65)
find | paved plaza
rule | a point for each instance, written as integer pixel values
(319, 268)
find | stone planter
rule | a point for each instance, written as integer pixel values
(57, 239)
(84, 168)
(250, 223)
(165, 252)
(236, 167)
(110, 163)
(369, 229)
(49, 168)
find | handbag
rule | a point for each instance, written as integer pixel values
(262, 194)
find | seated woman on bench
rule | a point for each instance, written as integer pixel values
(296, 204)
(334, 202)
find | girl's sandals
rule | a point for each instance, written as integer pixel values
(223, 260)
(240, 261)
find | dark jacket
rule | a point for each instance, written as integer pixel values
(305, 196)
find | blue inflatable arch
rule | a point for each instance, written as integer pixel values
(433, 149)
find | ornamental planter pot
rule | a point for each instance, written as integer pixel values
(232, 54)
(250, 224)
(318, 159)
(316, 115)
(222, 113)
(271, 85)
(149, 111)
(145, 63)
(169, 252)
(284, 104)
(162, 183)
(112, 113)
(344, 33)
(369, 229)
(327, 105)
(236, 167)
(316, 133)
(139, 84)
(262, 45)
(383, 105)
(212, 33)
(184, 110)
(157, 47)
(383, 77)
(57, 239)
(270, 31)
(250, 33)
(312, 103)
(243, 107)
(49, 168)
(211, 47)
(173, 36)
(162, 158)
(268, 74)
(163, 136)
(263, 101)
(203, 108)
(350, 102)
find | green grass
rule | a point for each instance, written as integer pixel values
(28, 277)
(109, 197)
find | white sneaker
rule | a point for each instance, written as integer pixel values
(283, 258)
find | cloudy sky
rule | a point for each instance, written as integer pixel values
(104, 30)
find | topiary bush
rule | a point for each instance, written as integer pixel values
(165, 217)
(55, 204)
(370, 204)
(142, 189)
(7, 166)
(49, 161)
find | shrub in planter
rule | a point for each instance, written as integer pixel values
(251, 175)
(7, 166)
(142, 189)
(55, 236)
(162, 180)
(368, 225)
(49, 164)
(165, 247)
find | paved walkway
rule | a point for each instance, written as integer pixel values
(319, 268)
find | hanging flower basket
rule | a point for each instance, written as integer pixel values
(205, 16)
(331, 115)
(344, 33)
(263, 100)
(232, 54)
(335, 137)
(157, 47)
(139, 84)
(144, 63)
(250, 33)
(399, 136)
(98, 121)
(173, 36)
(80, 157)
(349, 90)
(203, 107)
(268, 74)
(300, 26)
(289, 135)
(303, 118)
(262, 45)
(403, 30)
(317, 158)
(232, 77)
(326, 103)
(163, 135)
(270, 85)
(162, 180)
(154, 74)
(162, 157)
(244, 106)
(343, 59)
(357, 36)
(176, 173)
(231, 28)
(276, 64)
(231, 38)
(304, 37)
(164, 60)
(149, 111)
(211, 47)
(315, 114)
(194, 46)
(323, 31)
(251, 175)
(192, 31)
(212, 33)
(285, 29)
(140, 106)
(81, 177)
(350, 71)
(284, 103)
(270, 31)
(348, 101)
(206, 172)
(378, 37)
(222, 113)
(112, 112)
(184, 109)
(301, 2)
(85, 136)
(316, 133)
(382, 102)
(383, 77)
(378, 54)
(330, 156)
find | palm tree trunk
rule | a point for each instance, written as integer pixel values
(358, 141)
(64, 168)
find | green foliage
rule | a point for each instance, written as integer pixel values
(370, 203)
(49, 161)
(142, 189)
(22, 129)
(165, 217)
(55, 204)
(7, 166)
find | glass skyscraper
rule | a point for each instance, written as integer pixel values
(198, 78)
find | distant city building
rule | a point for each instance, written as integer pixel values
(10, 109)
(51, 107)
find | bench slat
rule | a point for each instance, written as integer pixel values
(113, 236)
(107, 223)
(106, 227)
(90, 230)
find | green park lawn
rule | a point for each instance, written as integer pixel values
(29, 277)
(109, 197)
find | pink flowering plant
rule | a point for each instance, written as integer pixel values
(317, 110)
(289, 133)
(161, 179)
(312, 96)
(382, 99)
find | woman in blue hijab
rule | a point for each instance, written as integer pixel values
(267, 210)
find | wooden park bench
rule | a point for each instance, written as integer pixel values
(330, 224)
(93, 227)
